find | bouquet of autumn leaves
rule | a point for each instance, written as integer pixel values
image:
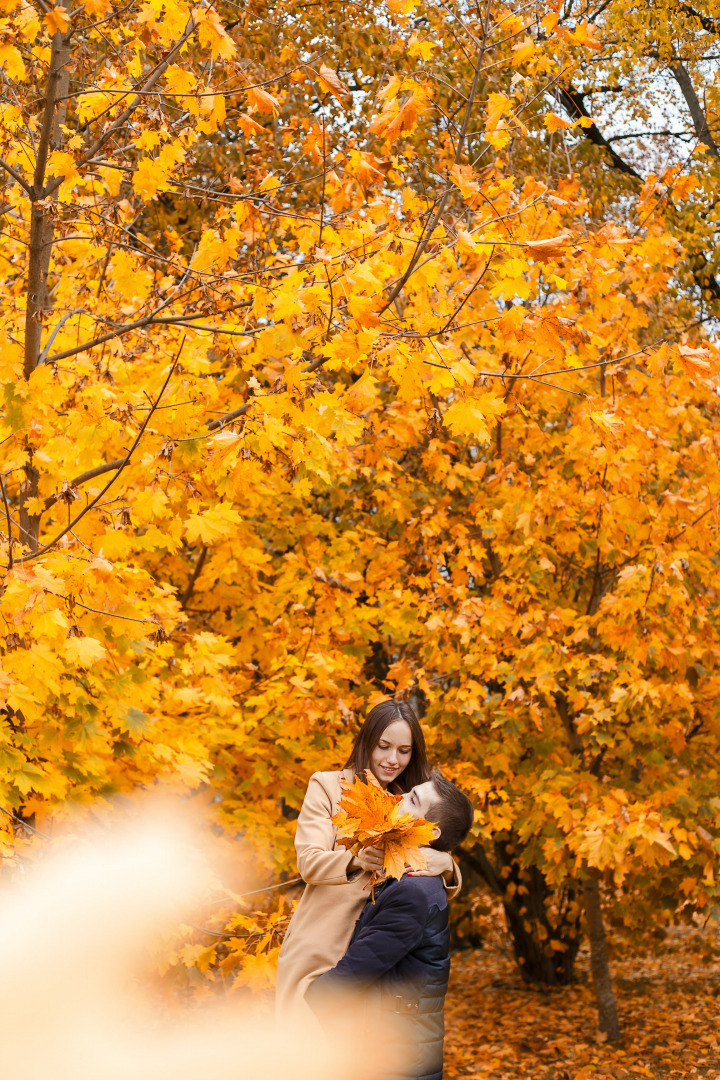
(369, 816)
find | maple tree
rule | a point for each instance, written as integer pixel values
(343, 358)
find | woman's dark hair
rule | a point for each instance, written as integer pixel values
(417, 770)
(452, 812)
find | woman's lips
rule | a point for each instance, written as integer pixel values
(386, 769)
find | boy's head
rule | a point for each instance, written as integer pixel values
(439, 801)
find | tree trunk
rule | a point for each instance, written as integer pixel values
(607, 1007)
(602, 983)
(543, 925)
(42, 231)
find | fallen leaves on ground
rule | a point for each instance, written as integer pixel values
(500, 1029)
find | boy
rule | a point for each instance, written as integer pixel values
(399, 955)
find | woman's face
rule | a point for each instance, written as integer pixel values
(392, 752)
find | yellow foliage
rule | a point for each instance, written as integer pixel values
(309, 405)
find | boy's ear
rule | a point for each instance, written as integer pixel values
(436, 833)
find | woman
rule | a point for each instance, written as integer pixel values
(391, 744)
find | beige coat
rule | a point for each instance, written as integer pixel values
(323, 922)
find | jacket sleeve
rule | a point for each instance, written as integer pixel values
(441, 864)
(394, 932)
(317, 862)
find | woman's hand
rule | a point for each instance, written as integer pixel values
(439, 864)
(370, 859)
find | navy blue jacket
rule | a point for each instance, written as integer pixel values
(400, 955)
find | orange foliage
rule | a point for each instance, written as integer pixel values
(338, 363)
(369, 816)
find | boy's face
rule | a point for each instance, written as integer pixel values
(420, 800)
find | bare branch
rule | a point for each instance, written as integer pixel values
(574, 104)
(9, 526)
(430, 229)
(195, 575)
(56, 331)
(699, 119)
(18, 177)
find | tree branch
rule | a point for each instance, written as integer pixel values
(58, 59)
(711, 25)
(134, 104)
(9, 526)
(18, 177)
(699, 119)
(573, 103)
(56, 330)
(41, 222)
(430, 229)
(195, 575)
(147, 320)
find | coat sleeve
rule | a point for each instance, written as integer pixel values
(441, 864)
(396, 929)
(317, 862)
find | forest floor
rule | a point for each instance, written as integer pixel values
(669, 1003)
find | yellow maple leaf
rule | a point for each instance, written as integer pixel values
(549, 247)
(683, 185)
(423, 49)
(474, 415)
(369, 816)
(606, 421)
(57, 19)
(180, 80)
(553, 122)
(12, 62)
(695, 361)
(523, 51)
(395, 121)
(83, 651)
(148, 177)
(498, 105)
(583, 35)
(270, 183)
(211, 525)
(213, 33)
(248, 126)
(464, 177)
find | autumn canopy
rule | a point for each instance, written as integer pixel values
(354, 351)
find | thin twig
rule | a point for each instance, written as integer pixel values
(16, 176)
(9, 526)
(25, 824)
(430, 229)
(254, 892)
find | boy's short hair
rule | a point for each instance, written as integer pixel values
(452, 812)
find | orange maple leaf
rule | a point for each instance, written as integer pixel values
(57, 19)
(369, 816)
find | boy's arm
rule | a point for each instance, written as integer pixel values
(396, 929)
